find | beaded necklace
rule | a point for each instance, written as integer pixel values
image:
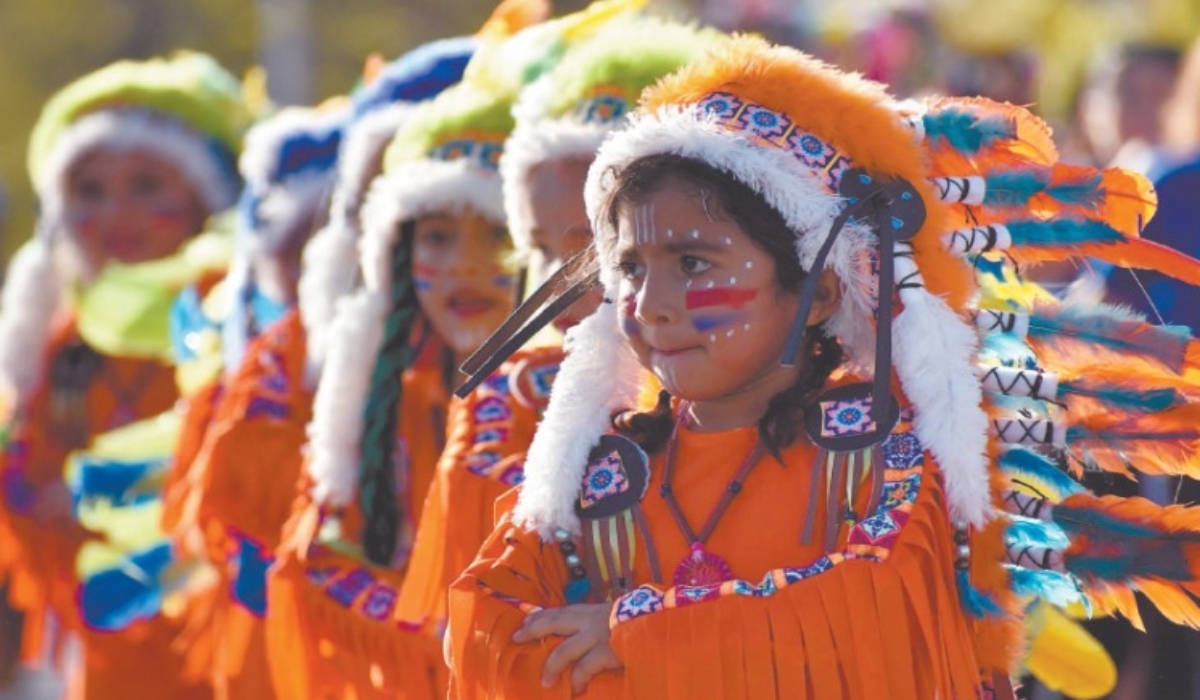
(701, 567)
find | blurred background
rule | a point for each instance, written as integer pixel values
(1039, 52)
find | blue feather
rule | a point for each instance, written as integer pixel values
(1062, 232)
(1087, 193)
(974, 601)
(1027, 532)
(1014, 188)
(964, 131)
(1148, 401)
(1051, 586)
(1114, 328)
(1026, 467)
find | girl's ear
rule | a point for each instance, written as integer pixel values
(827, 299)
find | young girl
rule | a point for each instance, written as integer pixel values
(128, 163)
(784, 520)
(561, 120)
(435, 285)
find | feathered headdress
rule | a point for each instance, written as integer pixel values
(917, 209)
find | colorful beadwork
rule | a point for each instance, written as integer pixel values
(849, 417)
(773, 128)
(604, 478)
(380, 602)
(491, 409)
(483, 152)
(602, 109)
(346, 589)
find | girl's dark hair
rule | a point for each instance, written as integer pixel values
(724, 196)
(381, 511)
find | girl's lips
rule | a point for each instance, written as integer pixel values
(671, 353)
(470, 304)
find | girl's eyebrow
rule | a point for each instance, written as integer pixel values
(688, 244)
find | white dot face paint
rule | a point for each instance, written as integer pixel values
(670, 233)
(732, 280)
(749, 264)
(727, 240)
(695, 233)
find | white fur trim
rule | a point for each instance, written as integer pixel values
(329, 270)
(599, 375)
(330, 265)
(259, 162)
(125, 129)
(285, 206)
(30, 299)
(362, 150)
(356, 335)
(415, 189)
(934, 351)
(532, 143)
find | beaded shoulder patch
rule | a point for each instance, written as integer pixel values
(870, 539)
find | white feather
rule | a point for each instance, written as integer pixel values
(356, 336)
(934, 351)
(28, 304)
(599, 376)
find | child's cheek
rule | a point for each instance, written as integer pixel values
(719, 312)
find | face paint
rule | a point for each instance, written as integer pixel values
(715, 321)
(503, 281)
(629, 322)
(644, 232)
(423, 276)
(735, 297)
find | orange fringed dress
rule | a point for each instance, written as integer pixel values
(143, 660)
(329, 626)
(876, 617)
(239, 461)
(489, 432)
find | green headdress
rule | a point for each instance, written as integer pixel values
(185, 107)
(568, 111)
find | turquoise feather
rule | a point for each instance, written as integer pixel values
(965, 132)
(1062, 232)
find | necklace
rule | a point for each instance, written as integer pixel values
(701, 567)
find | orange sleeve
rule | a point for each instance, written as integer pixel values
(487, 434)
(511, 578)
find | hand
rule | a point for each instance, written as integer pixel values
(586, 646)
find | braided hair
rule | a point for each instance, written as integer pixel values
(779, 425)
(377, 485)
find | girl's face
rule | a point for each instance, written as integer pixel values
(463, 284)
(698, 299)
(130, 207)
(559, 227)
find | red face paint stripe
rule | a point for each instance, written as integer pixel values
(719, 296)
(424, 271)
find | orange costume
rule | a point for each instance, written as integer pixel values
(487, 435)
(937, 481)
(327, 622)
(883, 595)
(138, 661)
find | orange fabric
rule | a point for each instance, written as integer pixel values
(42, 573)
(239, 458)
(319, 647)
(460, 508)
(860, 630)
